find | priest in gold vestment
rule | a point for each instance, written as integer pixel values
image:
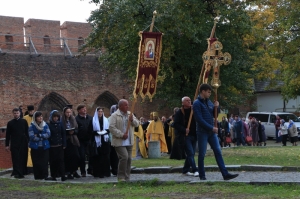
(139, 147)
(155, 132)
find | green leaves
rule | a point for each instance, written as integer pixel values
(186, 25)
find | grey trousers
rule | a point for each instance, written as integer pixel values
(124, 153)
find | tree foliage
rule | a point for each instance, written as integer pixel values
(277, 53)
(186, 25)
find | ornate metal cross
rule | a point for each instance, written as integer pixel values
(213, 59)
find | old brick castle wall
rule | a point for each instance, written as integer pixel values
(48, 78)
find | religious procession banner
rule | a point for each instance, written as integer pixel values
(148, 64)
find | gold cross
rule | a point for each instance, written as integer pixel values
(213, 58)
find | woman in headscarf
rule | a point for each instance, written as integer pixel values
(71, 151)
(283, 131)
(293, 132)
(57, 146)
(38, 142)
(100, 150)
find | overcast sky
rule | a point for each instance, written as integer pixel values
(59, 10)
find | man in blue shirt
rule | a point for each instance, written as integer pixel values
(207, 133)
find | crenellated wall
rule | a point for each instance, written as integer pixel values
(47, 36)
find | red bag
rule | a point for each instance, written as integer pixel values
(228, 140)
(248, 139)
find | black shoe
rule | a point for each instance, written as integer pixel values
(75, 174)
(50, 179)
(63, 178)
(18, 176)
(230, 176)
(202, 178)
(70, 176)
(265, 144)
(101, 176)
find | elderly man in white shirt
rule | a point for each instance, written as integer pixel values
(121, 140)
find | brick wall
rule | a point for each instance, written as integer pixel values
(51, 81)
(5, 157)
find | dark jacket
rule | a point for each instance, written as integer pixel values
(203, 113)
(181, 120)
(83, 126)
(16, 133)
(58, 134)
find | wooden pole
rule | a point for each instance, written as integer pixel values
(201, 73)
(153, 19)
(131, 112)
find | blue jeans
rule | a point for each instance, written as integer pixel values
(190, 146)
(212, 139)
(240, 140)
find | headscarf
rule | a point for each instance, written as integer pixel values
(96, 127)
(50, 117)
(291, 124)
(113, 108)
(40, 126)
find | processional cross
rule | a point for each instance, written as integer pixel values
(213, 59)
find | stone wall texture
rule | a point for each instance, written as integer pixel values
(52, 80)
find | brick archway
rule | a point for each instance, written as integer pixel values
(105, 100)
(52, 101)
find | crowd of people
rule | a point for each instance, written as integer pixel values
(66, 142)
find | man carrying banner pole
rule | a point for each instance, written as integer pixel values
(205, 112)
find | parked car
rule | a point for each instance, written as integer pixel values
(268, 119)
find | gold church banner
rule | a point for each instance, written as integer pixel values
(148, 64)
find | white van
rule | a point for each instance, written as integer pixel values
(268, 119)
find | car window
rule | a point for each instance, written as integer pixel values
(260, 117)
(272, 118)
(288, 117)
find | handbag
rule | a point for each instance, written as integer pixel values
(228, 140)
(248, 139)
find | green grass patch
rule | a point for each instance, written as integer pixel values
(281, 156)
(148, 189)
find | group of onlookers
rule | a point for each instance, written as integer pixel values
(64, 142)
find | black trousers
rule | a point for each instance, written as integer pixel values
(19, 155)
(56, 160)
(40, 158)
(114, 161)
(71, 157)
(284, 138)
(83, 152)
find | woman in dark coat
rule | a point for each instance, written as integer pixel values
(100, 144)
(71, 151)
(57, 146)
(39, 133)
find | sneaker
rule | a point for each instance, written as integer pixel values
(83, 175)
(230, 176)
(196, 174)
(202, 178)
(189, 174)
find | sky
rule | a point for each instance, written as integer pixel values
(58, 10)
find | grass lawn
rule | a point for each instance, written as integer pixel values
(281, 156)
(151, 189)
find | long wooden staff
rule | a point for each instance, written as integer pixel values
(201, 73)
(135, 99)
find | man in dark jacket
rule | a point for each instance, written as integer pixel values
(83, 120)
(238, 130)
(206, 132)
(17, 142)
(187, 135)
